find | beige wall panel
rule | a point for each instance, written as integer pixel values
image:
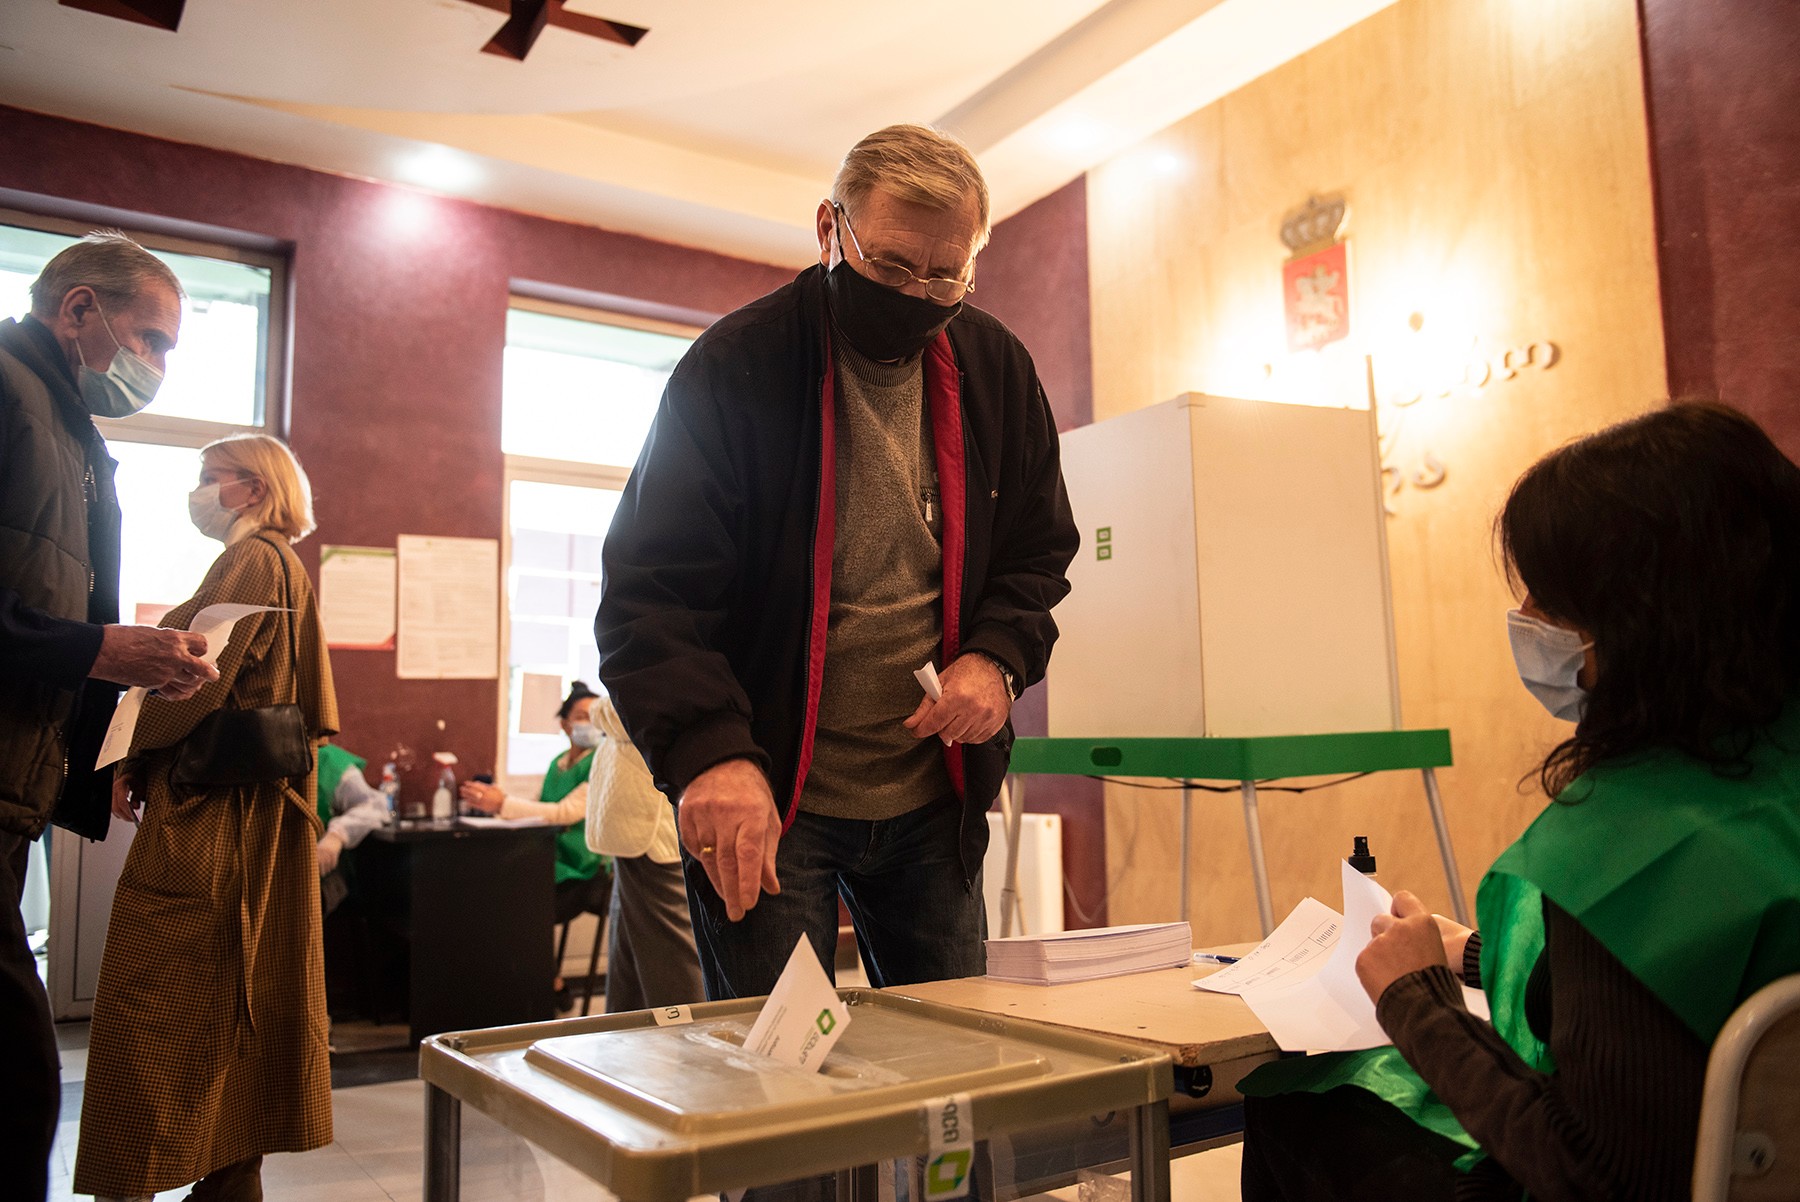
(1495, 156)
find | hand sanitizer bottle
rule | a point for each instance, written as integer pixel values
(390, 789)
(1360, 859)
(443, 802)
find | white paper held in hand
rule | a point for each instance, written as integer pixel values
(803, 1017)
(934, 688)
(216, 622)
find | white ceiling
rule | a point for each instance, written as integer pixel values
(721, 129)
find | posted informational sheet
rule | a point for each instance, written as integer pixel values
(449, 608)
(356, 597)
(1301, 981)
(216, 622)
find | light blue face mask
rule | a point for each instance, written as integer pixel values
(126, 386)
(1549, 659)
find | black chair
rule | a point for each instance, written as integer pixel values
(589, 897)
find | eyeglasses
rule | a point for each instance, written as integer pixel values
(942, 289)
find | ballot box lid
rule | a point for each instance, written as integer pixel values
(672, 1108)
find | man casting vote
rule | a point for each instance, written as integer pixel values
(847, 479)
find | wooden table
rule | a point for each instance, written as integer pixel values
(1212, 1038)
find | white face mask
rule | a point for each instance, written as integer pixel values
(1549, 660)
(208, 513)
(126, 386)
(584, 735)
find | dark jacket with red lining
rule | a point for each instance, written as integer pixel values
(718, 565)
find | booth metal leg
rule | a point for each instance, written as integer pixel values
(1150, 1152)
(1012, 810)
(443, 1146)
(1443, 837)
(859, 1184)
(1187, 846)
(1265, 907)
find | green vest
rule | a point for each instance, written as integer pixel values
(334, 761)
(574, 862)
(1690, 878)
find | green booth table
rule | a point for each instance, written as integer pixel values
(1250, 761)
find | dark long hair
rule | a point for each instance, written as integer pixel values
(1673, 541)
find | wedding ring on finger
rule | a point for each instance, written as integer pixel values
(708, 850)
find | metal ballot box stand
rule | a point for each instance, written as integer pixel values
(658, 1106)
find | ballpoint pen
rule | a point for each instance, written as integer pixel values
(1213, 958)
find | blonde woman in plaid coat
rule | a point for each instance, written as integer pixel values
(208, 1043)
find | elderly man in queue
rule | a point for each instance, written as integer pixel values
(104, 313)
(848, 479)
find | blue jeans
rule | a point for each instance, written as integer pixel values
(917, 918)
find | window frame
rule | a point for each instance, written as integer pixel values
(193, 432)
(570, 472)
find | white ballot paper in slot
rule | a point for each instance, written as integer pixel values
(216, 622)
(1301, 981)
(804, 1017)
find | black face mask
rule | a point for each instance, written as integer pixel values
(882, 323)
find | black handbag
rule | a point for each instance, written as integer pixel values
(250, 746)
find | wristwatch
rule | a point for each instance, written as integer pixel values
(1006, 675)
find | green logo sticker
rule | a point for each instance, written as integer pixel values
(946, 1172)
(1103, 534)
(826, 1022)
(1103, 552)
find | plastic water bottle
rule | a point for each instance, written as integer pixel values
(443, 802)
(390, 789)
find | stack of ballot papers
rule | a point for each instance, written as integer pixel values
(1301, 981)
(1084, 955)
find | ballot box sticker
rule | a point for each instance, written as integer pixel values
(673, 1016)
(950, 1135)
(1103, 552)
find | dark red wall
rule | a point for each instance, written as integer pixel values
(1034, 277)
(398, 326)
(1723, 78)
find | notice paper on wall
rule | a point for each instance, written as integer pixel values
(1301, 981)
(216, 622)
(356, 597)
(449, 608)
(803, 1017)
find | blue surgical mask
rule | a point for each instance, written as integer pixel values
(126, 386)
(584, 735)
(1549, 659)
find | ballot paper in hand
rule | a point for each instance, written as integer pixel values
(803, 1017)
(1301, 981)
(216, 622)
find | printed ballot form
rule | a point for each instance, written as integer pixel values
(803, 1017)
(216, 622)
(1301, 981)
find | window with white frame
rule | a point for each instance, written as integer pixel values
(579, 391)
(218, 381)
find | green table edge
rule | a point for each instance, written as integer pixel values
(1261, 758)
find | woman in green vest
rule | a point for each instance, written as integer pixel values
(583, 880)
(1659, 568)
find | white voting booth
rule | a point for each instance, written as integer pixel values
(1232, 579)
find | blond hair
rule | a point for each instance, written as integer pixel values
(286, 506)
(115, 267)
(915, 163)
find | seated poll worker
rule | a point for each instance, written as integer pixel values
(1659, 564)
(582, 877)
(852, 477)
(349, 808)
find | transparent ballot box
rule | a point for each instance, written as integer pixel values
(916, 1101)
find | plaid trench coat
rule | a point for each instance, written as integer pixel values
(208, 1042)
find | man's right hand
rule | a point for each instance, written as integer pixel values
(167, 661)
(729, 823)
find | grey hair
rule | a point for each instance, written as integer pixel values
(115, 267)
(915, 163)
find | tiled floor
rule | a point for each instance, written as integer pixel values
(380, 1141)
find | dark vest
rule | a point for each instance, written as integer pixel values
(59, 551)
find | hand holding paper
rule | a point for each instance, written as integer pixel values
(1405, 941)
